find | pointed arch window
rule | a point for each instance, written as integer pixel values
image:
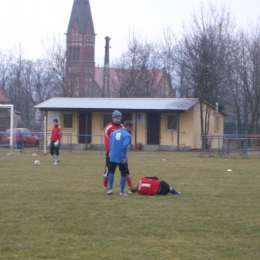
(88, 87)
(78, 53)
(88, 70)
(74, 53)
(88, 53)
(70, 53)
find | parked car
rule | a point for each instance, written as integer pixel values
(22, 136)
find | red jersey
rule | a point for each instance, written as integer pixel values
(56, 133)
(148, 186)
(110, 127)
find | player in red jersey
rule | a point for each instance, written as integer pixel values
(109, 128)
(54, 143)
(153, 186)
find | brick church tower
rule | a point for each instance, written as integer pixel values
(80, 55)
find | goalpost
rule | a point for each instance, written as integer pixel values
(8, 120)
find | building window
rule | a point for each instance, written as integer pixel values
(74, 82)
(73, 70)
(68, 120)
(88, 70)
(74, 53)
(78, 53)
(171, 123)
(70, 53)
(88, 53)
(106, 119)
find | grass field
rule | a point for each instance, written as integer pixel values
(61, 212)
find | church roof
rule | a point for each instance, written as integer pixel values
(81, 14)
(114, 74)
(3, 98)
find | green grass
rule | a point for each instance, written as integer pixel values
(60, 212)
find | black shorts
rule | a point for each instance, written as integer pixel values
(54, 149)
(123, 168)
(108, 168)
(164, 188)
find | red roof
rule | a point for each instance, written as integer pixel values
(114, 82)
(3, 98)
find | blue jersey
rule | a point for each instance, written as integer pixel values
(119, 142)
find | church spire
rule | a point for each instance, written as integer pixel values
(81, 14)
(80, 54)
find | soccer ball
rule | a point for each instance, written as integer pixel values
(37, 162)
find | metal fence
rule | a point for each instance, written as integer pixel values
(67, 142)
(225, 145)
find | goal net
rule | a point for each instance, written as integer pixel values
(8, 123)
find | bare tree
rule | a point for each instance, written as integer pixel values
(44, 81)
(5, 65)
(15, 89)
(25, 83)
(56, 63)
(201, 58)
(138, 70)
(67, 82)
(245, 81)
(18, 87)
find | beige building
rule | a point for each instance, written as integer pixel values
(159, 123)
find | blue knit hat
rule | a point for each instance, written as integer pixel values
(116, 113)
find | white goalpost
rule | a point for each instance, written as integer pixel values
(8, 121)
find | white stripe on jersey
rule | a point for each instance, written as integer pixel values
(145, 185)
(107, 131)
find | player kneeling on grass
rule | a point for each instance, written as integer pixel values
(54, 143)
(153, 186)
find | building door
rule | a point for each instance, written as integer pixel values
(126, 116)
(85, 128)
(153, 128)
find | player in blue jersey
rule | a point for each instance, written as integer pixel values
(119, 142)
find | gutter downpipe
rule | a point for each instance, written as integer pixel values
(135, 129)
(45, 134)
(178, 131)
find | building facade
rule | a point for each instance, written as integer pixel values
(159, 123)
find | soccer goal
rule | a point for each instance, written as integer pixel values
(8, 121)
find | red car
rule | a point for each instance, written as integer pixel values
(22, 136)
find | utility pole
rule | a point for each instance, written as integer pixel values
(105, 89)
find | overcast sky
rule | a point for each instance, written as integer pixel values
(30, 22)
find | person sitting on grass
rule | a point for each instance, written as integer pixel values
(153, 186)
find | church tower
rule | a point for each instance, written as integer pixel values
(80, 55)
